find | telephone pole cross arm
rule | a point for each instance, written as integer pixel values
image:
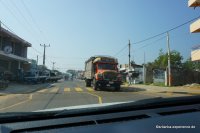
(53, 65)
(44, 52)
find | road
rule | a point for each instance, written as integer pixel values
(72, 93)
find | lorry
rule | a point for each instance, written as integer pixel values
(101, 72)
(34, 77)
(52, 76)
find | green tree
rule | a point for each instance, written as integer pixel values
(162, 60)
(191, 65)
(72, 72)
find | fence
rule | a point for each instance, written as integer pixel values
(180, 76)
(158, 76)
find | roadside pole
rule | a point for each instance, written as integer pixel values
(129, 62)
(169, 61)
(53, 65)
(37, 62)
(1, 37)
(44, 52)
(129, 55)
(144, 71)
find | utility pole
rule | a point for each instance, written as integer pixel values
(129, 55)
(144, 70)
(44, 52)
(37, 59)
(53, 64)
(1, 37)
(169, 61)
(37, 62)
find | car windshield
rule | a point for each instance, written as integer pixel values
(51, 51)
(107, 66)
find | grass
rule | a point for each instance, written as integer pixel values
(160, 84)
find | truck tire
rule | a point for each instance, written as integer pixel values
(43, 80)
(117, 87)
(88, 83)
(94, 84)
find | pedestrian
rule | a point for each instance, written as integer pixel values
(130, 78)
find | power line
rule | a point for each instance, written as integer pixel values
(66, 57)
(149, 38)
(33, 20)
(7, 27)
(27, 22)
(36, 50)
(152, 42)
(40, 53)
(166, 31)
(15, 34)
(11, 12)
(142, 46)
(121, 50)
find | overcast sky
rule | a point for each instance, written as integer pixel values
(78, 29)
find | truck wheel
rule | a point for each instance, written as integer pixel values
(94, 84)
(117, 87)
(88, 83)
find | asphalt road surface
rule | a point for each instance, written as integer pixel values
(72, 93)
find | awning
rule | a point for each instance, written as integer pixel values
(13, 57)
(195, 26)
(5, 32)
(193, 3)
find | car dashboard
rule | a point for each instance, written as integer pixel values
(181, 118)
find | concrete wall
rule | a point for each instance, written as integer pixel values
(149, 75)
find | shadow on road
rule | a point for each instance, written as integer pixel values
(180, 92)
(123, 89)
(17, 88)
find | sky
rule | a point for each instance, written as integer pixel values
(79, 29)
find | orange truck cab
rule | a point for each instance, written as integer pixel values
(101, 72)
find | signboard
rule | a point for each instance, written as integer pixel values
(105, 59)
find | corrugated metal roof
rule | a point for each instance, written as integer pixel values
(8, 33)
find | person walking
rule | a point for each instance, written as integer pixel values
(130, 78)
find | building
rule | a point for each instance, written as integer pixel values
(13, 54)
(195, 54)
(195, 28)
(134, 69)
